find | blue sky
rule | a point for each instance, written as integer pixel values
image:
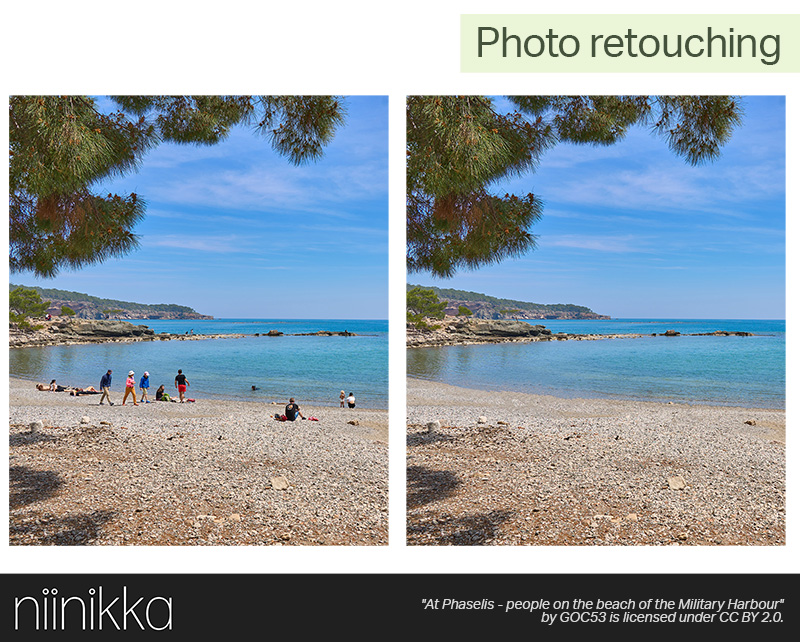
(234, 230)
(631, 230)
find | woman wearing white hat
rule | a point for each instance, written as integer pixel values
(130, 389)
(144, 385)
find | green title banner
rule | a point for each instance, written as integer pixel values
(620, 43)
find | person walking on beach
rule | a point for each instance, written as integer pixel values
(181, 383)
(351, 401)
(341, 399)
(105, 386)
(130, 389)
(144, 386)
(292, 411)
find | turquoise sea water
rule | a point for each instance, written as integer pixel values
(739, 371)
(311, 369)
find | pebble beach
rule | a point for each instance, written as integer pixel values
(500, 468)
(212, 472)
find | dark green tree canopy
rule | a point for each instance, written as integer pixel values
(24, 303)
(459, 147)
(61, 148)
(422, 303)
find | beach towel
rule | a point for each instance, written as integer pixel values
(313, 419)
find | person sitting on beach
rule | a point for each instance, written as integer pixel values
(181, 383)
(130, 389)
(144, 386)
(160, 393)
(292, 411)
(351, 401)
(105, 386)
(341, 399)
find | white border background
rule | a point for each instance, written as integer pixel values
(352, 47)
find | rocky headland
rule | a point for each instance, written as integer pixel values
(467, 331)
(71, 331)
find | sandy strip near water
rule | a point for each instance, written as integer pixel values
(211, 472)
(518, 469)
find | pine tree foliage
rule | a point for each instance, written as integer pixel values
(62, 149)
(423, 303)
(24, 303)
(461, 147)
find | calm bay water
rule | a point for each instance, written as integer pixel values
(311, 369)
(740, 371)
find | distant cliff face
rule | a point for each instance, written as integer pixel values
(89, 310)
(486, 310)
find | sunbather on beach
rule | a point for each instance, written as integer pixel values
(77, 392)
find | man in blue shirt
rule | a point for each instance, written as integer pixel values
(144, 386)
(105, 385)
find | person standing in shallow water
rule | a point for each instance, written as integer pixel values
(181, 383)
(130, 389)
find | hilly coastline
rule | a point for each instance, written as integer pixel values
(92, 307)
(484, 306)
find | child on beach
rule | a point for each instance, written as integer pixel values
(130, 388)
(341, 399)
(144, 386)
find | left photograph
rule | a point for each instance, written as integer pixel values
(198, 320)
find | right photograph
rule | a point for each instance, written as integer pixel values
(596, 326)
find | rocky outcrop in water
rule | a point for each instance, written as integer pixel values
(463, 331)
(466, 331)
(70, 331)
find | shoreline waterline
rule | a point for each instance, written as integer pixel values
(418, 384)
(686, 363)
(207, 473)
(314, 368)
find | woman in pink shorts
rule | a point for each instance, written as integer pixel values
(130, 388)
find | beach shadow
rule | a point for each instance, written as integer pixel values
(425, 485)
(469, 530)
(29, 438)
(69, 530)
(27, 485)
(426, 438)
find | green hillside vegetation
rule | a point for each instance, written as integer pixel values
(450, 294)
(106, 304)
